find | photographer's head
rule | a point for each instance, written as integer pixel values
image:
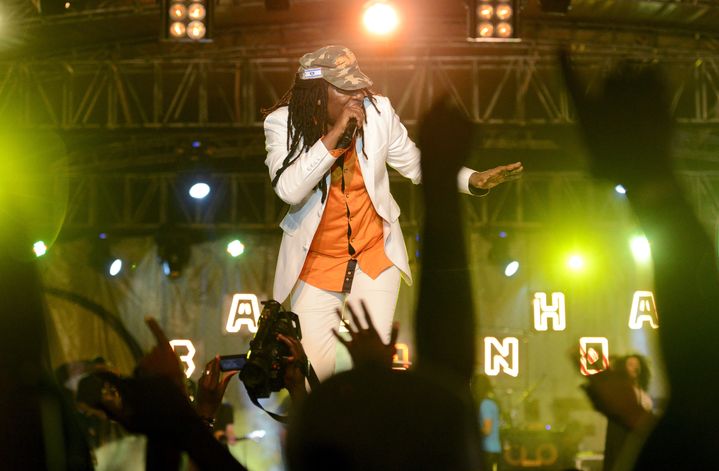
(375, 419)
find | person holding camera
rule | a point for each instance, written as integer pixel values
(329, 140)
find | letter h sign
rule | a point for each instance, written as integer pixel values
(543, 312)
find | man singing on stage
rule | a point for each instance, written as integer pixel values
(329, 140)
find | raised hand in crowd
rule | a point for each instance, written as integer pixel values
(365, 345)
(154, 403)
(626, 124)
(627, 128)
(162, 359)
(211, 389)
(443, 156)
(444, 325)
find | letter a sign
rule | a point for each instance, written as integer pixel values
(244, 311)
(643, 310)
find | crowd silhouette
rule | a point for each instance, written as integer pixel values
(350, 420)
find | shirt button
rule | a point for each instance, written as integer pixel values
(348, 196)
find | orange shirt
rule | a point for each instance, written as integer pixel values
(329, 253)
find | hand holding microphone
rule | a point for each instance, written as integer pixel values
(349, 133)
(344, 128)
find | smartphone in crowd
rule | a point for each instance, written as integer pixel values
(233, 362)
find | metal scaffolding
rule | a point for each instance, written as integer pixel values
(143, 203)
(205, 94)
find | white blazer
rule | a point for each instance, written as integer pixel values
(387, 143)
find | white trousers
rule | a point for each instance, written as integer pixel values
(316, 309)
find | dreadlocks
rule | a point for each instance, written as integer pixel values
(307, 120)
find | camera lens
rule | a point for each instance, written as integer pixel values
(253, 375)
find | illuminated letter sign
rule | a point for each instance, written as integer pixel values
(594, 355)
(493, 363)
(643, 310)
(402, 355)
(186, 359)
(543, 312)
(244, 310)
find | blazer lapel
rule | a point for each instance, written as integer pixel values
(367, 165)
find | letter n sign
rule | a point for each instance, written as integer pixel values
(501, 356)
(543, 312)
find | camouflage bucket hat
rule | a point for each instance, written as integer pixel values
(337, 65)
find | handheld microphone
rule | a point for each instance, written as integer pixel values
(348, 134)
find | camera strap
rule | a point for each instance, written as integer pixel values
(279, 418)
(311, 378)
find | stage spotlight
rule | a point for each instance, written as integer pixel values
(503, 30)
(196, 30)
(499, 254)
(620, 189)
(504, 12)
(576, 262)
(178, 29)
(485, 11)
(39, 248)
(115, 267)
(101, 257)
(492, 20)
(187, 20)
(199, 190)
(195, 169)
(178, 12)
(641, 249)
(380, 17)
(235, 248)
(511, 269)
(197, 12)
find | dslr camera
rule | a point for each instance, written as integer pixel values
(264, 371)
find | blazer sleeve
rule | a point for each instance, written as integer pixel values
(404, 156)
(299, 179)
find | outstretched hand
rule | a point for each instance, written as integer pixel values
(494, 176)
(365, 346)
(627, 125)
(211, 388)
